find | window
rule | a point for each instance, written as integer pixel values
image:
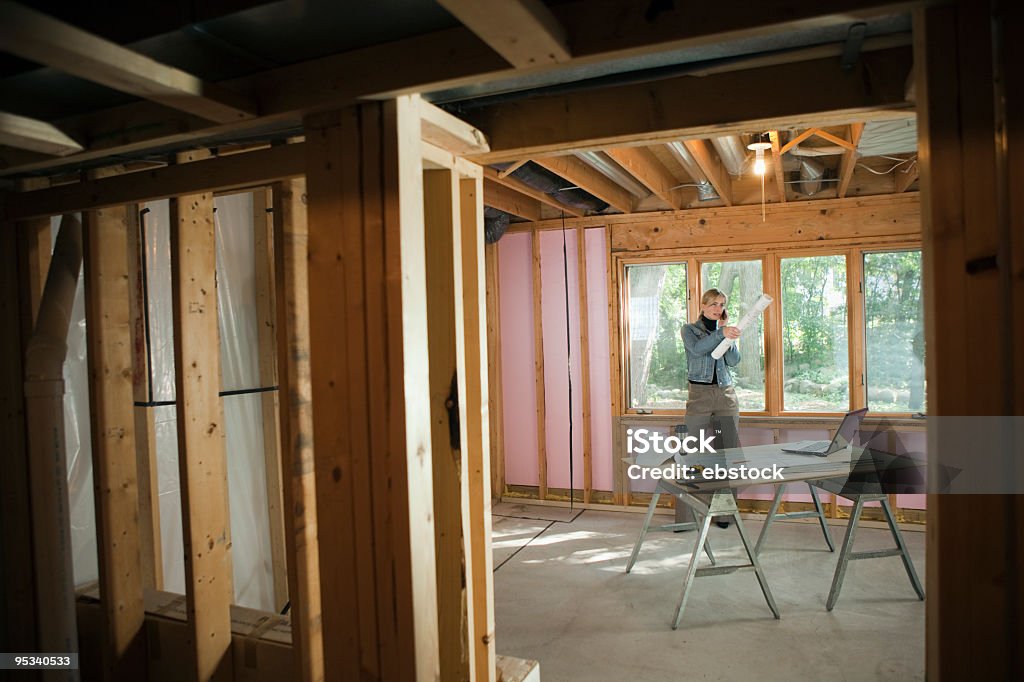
(815, 351)
(894, 331)
(657, 313)
(743, 283)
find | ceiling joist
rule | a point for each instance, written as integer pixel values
(37, 136)
(643, 165)
(448, 132)
(37, 37)
(589, 180)
(510, 201)
(521, 187)
(524, 32)
(905, 177)
(717, 176)
(780, 176)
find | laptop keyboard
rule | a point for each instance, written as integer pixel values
(810, 446)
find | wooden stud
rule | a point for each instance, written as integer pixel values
(452, 134)
(717, 176)
(856, 331)
(581, 268)
(849, 162)
(780, 176)
(905, 177)
(773, 335)
(150, 541)
(371, 392)
(645, 167)
(266, 318)
(538, 368)
(36, 37)
(115, 478)
(441, 213)
(794, 141)
(512, 168)
(201, 454)
(494, 389)
(849, 145)
(589, 180)
(524, 32)
(509, 200)
(296, 427)
(614, 353)
(523, 188)
(471, 330)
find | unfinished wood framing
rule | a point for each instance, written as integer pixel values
(849, 162)
(441, 216)
(32, 35)
(524, 32)
(905, 177)
(494, 389)
(523, 188)
(643, 165)
(855, 302)
(780, 176)
(589, 180)
(581, 269)
(370, 387)
(266, 318)
(471, 345)
(115, 476)
(202, 458)
(150, 549)
(538, 369)
(717, 175)
(296, 427)
(37, 136)
(504, 198)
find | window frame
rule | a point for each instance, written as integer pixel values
(771, 273)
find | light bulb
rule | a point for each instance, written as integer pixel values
(759, 163)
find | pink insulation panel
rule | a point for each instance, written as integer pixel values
(600, 369)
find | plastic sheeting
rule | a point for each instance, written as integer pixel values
(250, 533)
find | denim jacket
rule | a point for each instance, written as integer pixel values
(700, 365)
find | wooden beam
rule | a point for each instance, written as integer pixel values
(774, 97)
(150, 549)
(523, 188)
(581, 269)
(524, 32)
(589, 180)
(238, 171)
(370, 377)
(105, 235)
(296, 427)
(494, 389)
(794, 141)
(506, 199)
(37, 136)
(701, 153)
(266, 318)
(202, 458)
(845, 144)
(643, 165)
(538, 369)
(513, 168)
(906, 178)
(471, 328)
(849, 162)
(780, 176)
(37, 37)
(441, 216)
(448, 132)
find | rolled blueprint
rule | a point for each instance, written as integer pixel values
(751, 315)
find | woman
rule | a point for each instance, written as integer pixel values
(711, 392)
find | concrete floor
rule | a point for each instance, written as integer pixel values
(562, 598)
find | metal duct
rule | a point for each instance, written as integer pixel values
(705, 190)
(495, 224)
(811, 173)
(732, 152)
(600, 162)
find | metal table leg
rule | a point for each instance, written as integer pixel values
(670, 526)
(902, 546)
(773, 514)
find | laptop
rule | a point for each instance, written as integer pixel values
(823, 448)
